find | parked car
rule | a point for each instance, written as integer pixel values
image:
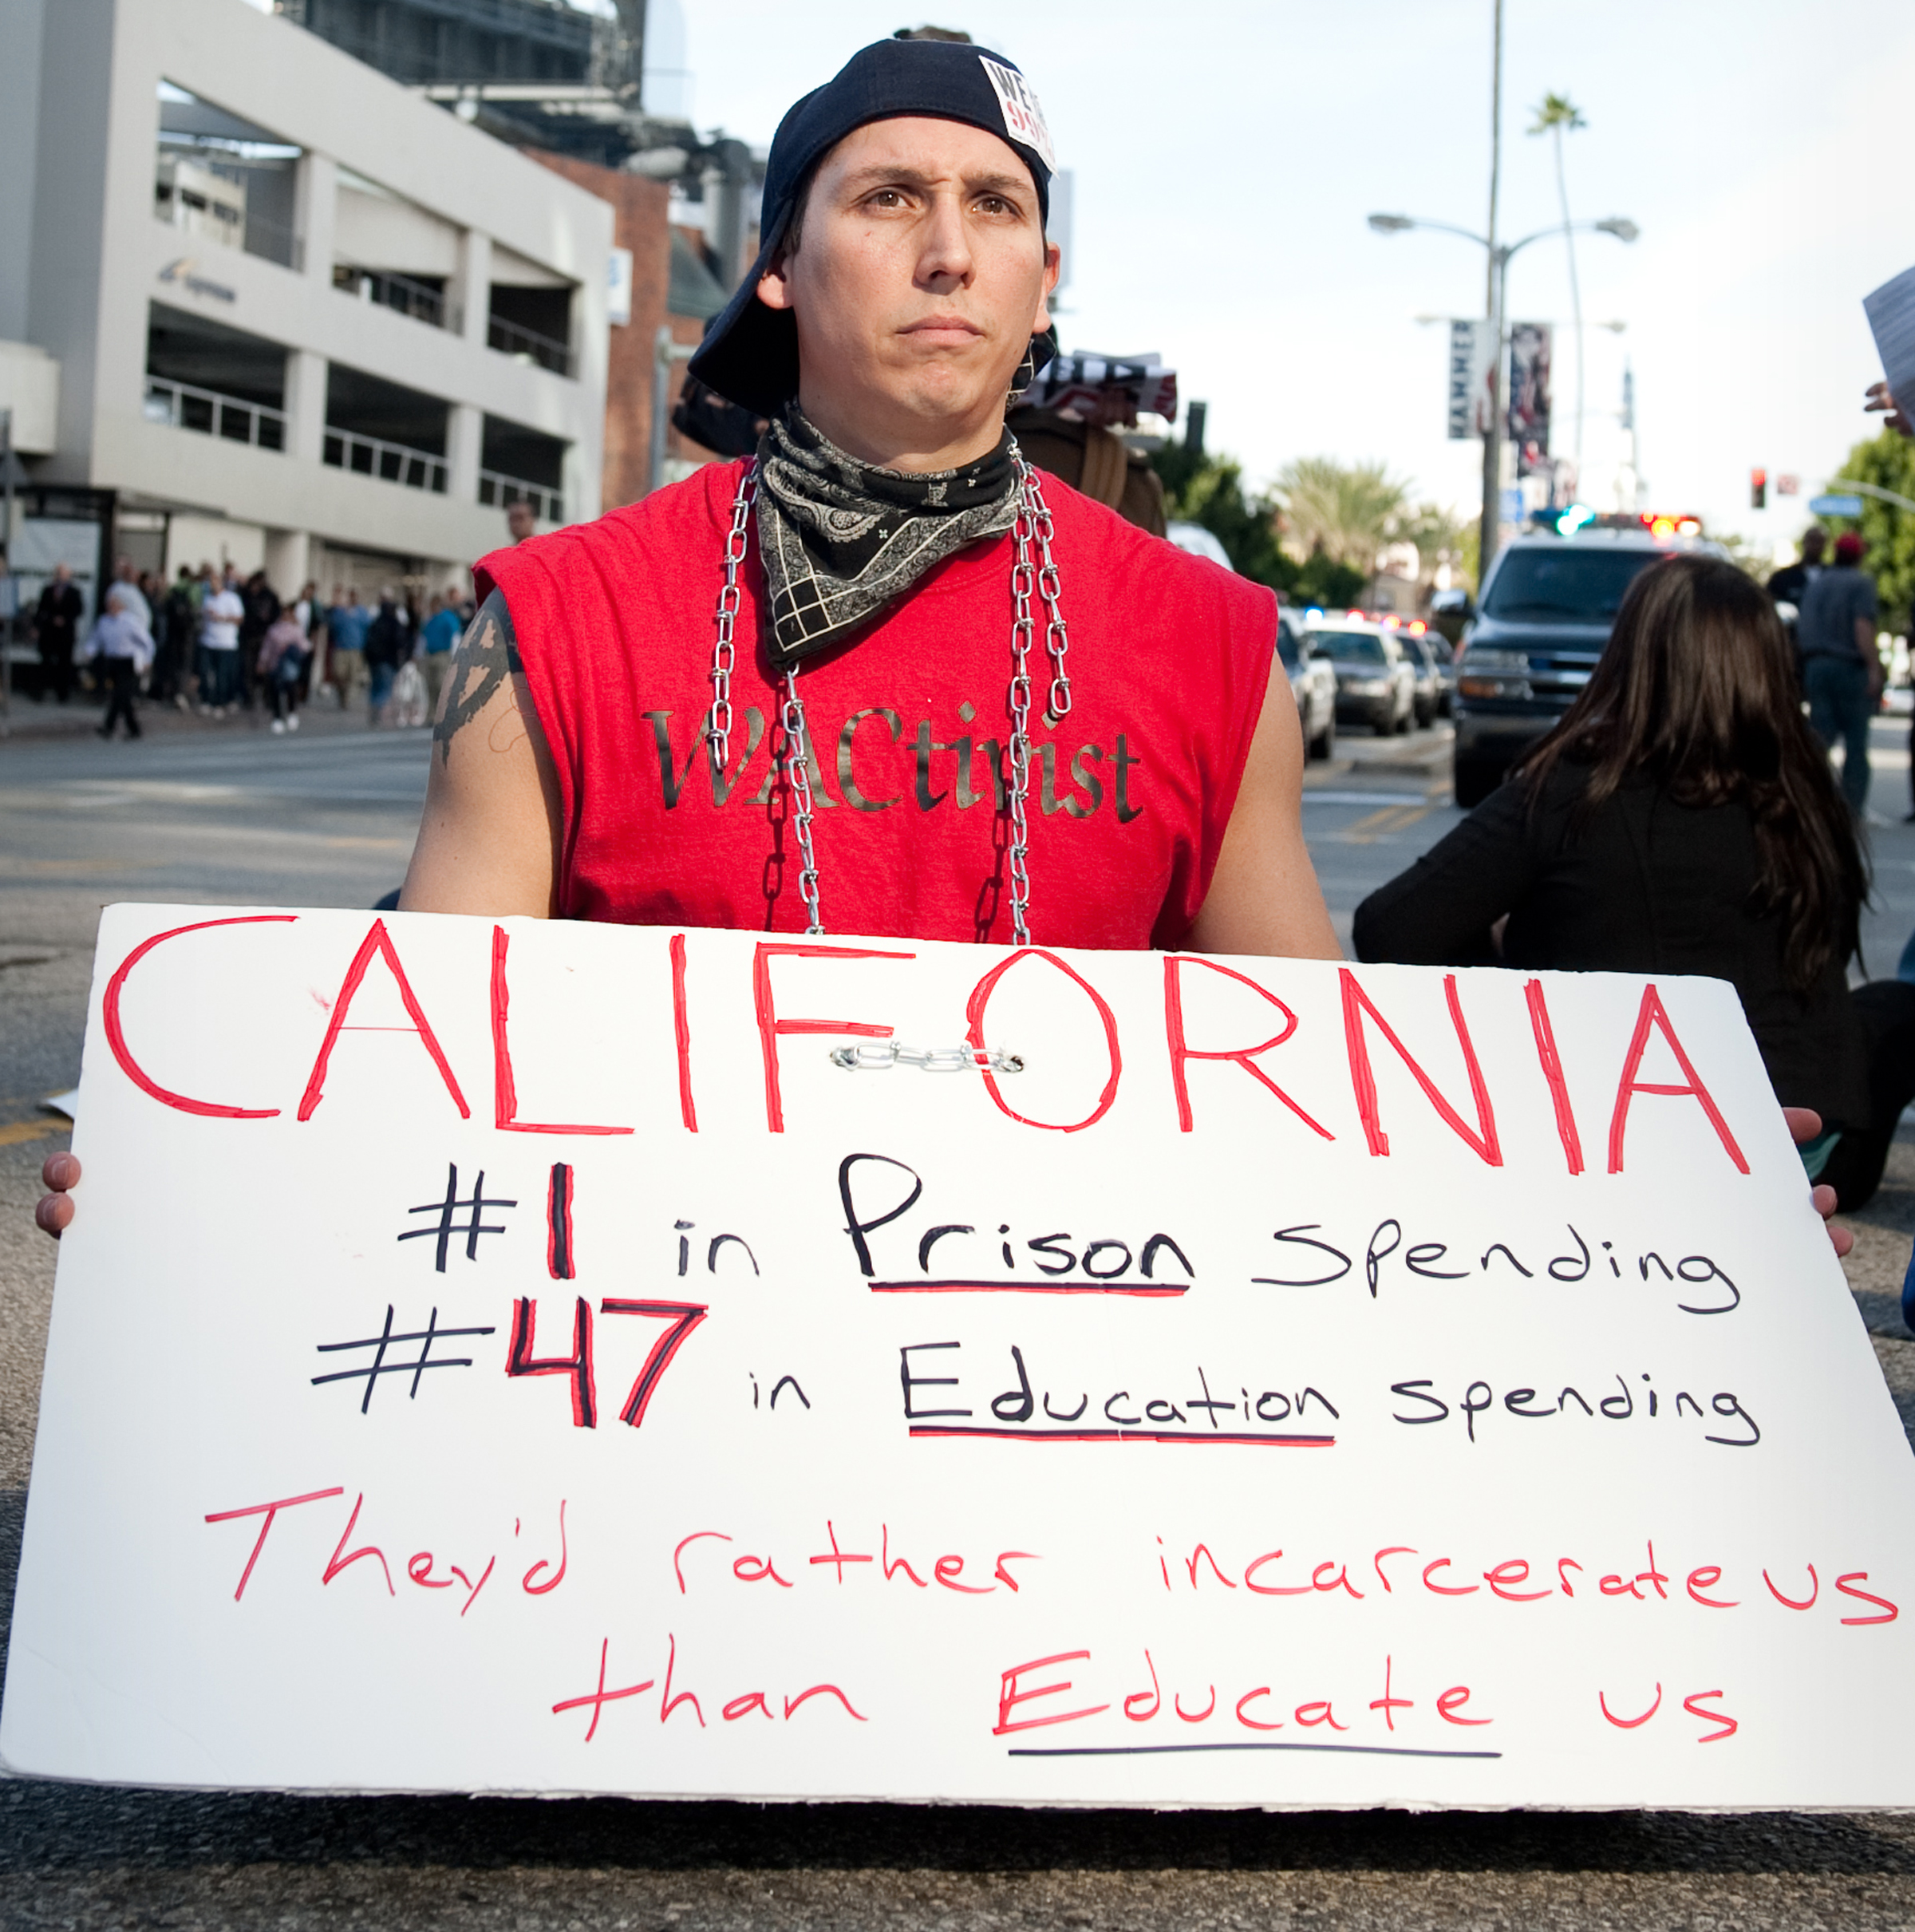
(1375, 682)
(1429, 693)
(1548, 605)
(1314, 682)
(1444, 653)
(1199, 542)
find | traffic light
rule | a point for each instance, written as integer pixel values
(1758, 488)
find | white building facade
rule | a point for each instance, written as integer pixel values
(260, 305)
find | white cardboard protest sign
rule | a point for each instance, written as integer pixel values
(516, 1357)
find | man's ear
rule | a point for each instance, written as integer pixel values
(1053, 266)
(775, 285)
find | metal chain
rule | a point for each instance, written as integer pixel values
(1032, 525)
(1018, 751)
(798, 774)
(718, 726)
(1032, 521)
(1057, 638)
(926, 1059)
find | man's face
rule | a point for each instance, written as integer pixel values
(519, 521)
(922, 274)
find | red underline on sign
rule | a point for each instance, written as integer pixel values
(958, 1287)
(1223, 1436)
(1173, 1750)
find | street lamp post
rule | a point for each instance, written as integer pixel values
(1496, 327)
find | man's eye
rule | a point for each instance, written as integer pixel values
(994, 204)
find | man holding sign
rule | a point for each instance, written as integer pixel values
(631, 727)
(1302, 1384)
(770, 697)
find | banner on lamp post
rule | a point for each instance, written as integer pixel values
(1470, 400)
(1529, 409)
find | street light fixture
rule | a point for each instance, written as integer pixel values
(1619, 226)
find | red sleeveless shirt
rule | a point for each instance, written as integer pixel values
(1129, 794)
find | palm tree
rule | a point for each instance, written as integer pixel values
(1347, 511)
(1556, 115)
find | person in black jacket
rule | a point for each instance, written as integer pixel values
(388, 643)
(57, 630)
(1682, 818)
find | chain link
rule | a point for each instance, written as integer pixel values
(718, 726)
(1018, 750)
(798, 775)
(1033, 523)
(925, 1059)
(1032, 526)
(1056, 639)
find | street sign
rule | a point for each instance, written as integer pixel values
(1835, 505)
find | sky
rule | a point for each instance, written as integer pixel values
(1227, 153)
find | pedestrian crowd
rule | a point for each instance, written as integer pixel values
(219, 644)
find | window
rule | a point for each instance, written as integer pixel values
(201, 375)
(1569, 586)
(377, 428)
(220, 179)
(1348, 647)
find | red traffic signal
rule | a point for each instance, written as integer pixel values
(1758, 488)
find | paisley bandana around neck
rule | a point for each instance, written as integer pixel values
(840, 539)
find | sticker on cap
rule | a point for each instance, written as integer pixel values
(1023, 117)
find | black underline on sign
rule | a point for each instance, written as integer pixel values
(1169, 1750)
(966, 1287)
(1267, 1442)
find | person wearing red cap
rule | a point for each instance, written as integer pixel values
(1841, 667)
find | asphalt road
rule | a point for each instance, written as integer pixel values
(208, 814)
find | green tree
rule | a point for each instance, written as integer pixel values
(1209, 490)
(1206, 489)
(1888, 461)
(1441, 536)
(1348, 510)
(1321, 580)
(1469, 556)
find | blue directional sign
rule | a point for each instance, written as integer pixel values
(1835, 505)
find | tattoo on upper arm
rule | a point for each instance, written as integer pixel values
(487, 654)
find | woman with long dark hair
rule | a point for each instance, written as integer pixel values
(1681, 819)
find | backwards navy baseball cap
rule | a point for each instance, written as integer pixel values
(750, 353)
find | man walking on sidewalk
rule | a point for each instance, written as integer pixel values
(124, 647)
(1841, 668)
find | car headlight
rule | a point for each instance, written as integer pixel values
(1494, 674)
